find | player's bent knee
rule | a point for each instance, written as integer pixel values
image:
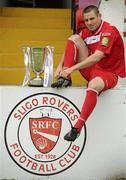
(96, 84)
(75, 38)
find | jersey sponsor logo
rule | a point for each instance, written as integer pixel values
(105, 41)
(92, 39)
(34, 134)
(106, 34)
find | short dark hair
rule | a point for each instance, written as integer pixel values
(91, 8)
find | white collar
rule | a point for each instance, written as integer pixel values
(99, 29)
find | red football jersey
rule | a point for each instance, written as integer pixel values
(108, 40)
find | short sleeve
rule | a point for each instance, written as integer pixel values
(107, 40)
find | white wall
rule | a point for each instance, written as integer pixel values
(103, 156)
(113, 12)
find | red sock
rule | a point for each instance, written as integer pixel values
(70, 54)
(87, 108)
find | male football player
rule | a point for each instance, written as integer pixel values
(98, 53)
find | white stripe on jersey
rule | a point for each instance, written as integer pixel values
(92, 39)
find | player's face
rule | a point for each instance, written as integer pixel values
(92, 20)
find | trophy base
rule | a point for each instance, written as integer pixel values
(36, 82)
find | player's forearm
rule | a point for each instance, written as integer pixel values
(61, 61)
(89, 61)
(84, 64)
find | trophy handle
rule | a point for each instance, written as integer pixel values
(27, 63)
(48, 67)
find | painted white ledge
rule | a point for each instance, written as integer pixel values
(104, 155)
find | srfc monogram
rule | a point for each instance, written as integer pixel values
(45, 132)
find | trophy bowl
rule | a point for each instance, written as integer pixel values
(38, 56)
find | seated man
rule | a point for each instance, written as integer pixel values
(98, 53)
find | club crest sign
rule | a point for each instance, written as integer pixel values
(34, 134)
(44, 139)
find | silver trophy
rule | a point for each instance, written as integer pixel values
(38, 56)
(39, 60)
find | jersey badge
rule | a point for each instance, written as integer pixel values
(105, 41)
